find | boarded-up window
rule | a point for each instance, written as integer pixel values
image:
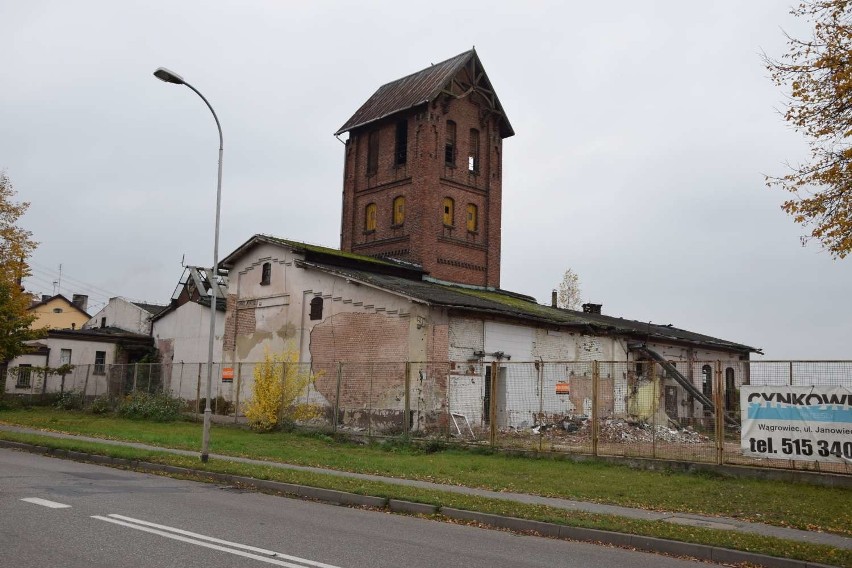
(370, 217)
(472, 217)
(449, 211)
(399, 210)
(373, 153)
(316, 309)
(450, 144)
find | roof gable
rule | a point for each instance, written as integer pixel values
(459, 76)
(60, 299)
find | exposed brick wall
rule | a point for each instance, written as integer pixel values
(238, 321)
(448, 253)
(374, 346)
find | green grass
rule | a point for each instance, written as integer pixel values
(659, 529)
(773, 502)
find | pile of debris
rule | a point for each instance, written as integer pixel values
(619, 430)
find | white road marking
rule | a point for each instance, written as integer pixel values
(269, 556)
(46, 503)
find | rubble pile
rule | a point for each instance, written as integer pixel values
(619, 430)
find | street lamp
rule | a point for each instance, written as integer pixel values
(164, 74)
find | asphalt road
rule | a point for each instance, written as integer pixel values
(56, 513)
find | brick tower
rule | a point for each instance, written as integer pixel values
(422, 178)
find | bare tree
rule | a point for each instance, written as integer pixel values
(568, 296)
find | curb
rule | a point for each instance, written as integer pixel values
(333, 496)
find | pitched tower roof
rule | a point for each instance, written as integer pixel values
(425, 86)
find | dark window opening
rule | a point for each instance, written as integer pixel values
(730, 390)
(266, 274)
(473, 155)
(316, 309)
(373, 153)
(401, 153)
(707, 383)
(73, 325)
(24, 376)
(450, 144)
(100, 363)
(57, 310)
(103, 322)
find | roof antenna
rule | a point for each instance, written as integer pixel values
(182, 258)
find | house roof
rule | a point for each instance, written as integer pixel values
(326, 255)
(199, 277)
(420, 88)
(516, 306)
(152, 309)
(107, 334)
(411, 282)
(71, 304)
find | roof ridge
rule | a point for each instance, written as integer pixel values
(466, 53)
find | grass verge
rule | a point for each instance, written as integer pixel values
(779, 503)
(659, 529)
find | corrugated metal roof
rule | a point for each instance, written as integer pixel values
(412, 91)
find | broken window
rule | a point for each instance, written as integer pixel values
(373, 153)
(401, 152)
(472, 217)
(707, 383)
(399, 210)
(473, 154)
(449, 207)
(316, 309)
(450, 144)
(370, 217)
(100, 363)
(266, 274)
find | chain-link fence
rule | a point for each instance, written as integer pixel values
(657, 409)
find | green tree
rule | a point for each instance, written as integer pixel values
(16, 245)
(818, 74)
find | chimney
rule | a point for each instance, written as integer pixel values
(553, 299)
(81, 301)
(45, 297)
(592, 308)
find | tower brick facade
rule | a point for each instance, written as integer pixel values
(423, 173)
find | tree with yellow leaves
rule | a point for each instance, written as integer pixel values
(818, 74)
(279, 382)
(16, 245)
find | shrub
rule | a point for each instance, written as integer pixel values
(101, 405)
(69, 400)
(156, 407)
(278, 382)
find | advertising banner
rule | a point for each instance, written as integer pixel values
(797, 423)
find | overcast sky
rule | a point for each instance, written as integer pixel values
(643, 133)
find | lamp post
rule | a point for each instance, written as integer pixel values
(164, 74)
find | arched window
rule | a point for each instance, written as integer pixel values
(707, 383)
(266, 274)
(473, 154)
(449, 211)
(316, 308)
(472, 218)
(450, 144)
(370, 217)
(399, 210)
